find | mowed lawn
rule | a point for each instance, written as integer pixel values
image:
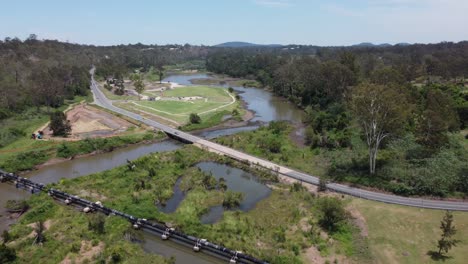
(401, 234)
(213, 100)
(213, 94)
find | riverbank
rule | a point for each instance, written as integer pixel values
(24, 161)
(218, 79)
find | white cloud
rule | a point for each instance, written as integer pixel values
(273, 3)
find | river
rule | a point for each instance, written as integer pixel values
(266, 106)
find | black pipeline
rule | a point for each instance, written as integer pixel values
(158, 227)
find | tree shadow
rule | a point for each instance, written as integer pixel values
(436, 256)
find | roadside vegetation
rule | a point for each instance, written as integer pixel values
(400, 169)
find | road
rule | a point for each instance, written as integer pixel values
(101, 100)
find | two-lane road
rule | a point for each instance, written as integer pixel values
(101, 100)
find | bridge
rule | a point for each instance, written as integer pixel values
(101, 100)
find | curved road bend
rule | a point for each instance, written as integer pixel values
(101, 100)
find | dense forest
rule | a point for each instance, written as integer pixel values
(408, 101)
(418, 91)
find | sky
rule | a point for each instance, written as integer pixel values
(210, 22)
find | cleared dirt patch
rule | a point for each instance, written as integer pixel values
(86, 254)
(90, 122)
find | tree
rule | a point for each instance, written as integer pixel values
(463, 181)
(194, 118)
(160, 72)
(39, 229)
(438, 118)
(381, 111)
(139, 87)
(230, 89)
(59, 124)
(447, 241)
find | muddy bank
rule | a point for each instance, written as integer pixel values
(57, 160)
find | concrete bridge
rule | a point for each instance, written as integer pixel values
(101, 100)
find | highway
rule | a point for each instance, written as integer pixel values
(101, 100)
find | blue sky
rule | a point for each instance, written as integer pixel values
(315, 22)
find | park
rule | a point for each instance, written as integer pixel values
(172, 102)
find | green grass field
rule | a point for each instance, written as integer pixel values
(212, 101)
(400, 234)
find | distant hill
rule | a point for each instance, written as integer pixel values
(240, 44)
(403, 44)
(369, 44)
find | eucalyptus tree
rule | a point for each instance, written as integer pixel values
(381, 112)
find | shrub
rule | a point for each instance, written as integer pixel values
(232, 199)
(332, 213)
(278, 127)
(7, 255)
(194, 118)
(322, 185)
(17, 205)
(5, 236)
(96, 223)
(222, 184)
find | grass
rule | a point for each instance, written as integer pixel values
(215, 94)
(208, 120)
(71, 149)
(175, 108)
(399, 234)
(258, 143)
(214, 101)
(16, 131)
